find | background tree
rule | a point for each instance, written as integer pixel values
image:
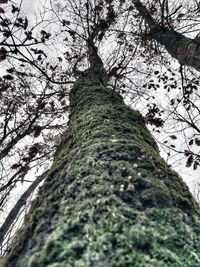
(175, 26)
(163, 30)
(90, 24)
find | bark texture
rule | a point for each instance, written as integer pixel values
(182, 48)
(109, 200)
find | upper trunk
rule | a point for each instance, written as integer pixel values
(109, 200)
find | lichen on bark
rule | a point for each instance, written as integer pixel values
(110, 199)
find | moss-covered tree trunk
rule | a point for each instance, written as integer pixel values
(109, 200)
(182, 48)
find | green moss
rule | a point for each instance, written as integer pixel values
(156, 198)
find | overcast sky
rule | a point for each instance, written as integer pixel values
(29, 6)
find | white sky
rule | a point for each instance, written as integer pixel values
(29, 6)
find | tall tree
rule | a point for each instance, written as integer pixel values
(109, 199)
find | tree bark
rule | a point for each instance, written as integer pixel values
(109, 199)
(182, 48)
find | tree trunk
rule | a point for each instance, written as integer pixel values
(11, 217)
(182, 48)
(109, 200)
